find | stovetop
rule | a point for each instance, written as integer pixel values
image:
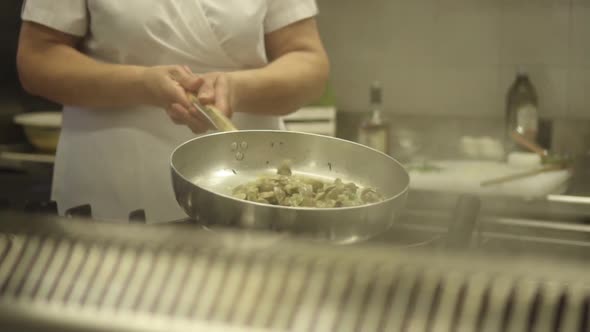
(501, 226)
(64, 272)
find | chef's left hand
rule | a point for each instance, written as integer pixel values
(216, 90)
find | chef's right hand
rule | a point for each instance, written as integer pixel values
(167, 87)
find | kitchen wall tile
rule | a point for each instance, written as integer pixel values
(458, 56)
(354, 25)
(579, 92)
(352, 76)
(535, 2)
(468, 4)
(580, 30)
(466, 90)
(550, 83)
(353, 44)
(479, 44)
(408, 90)
(535, 33)
(378, 40)
(410, 32)
(571, 136)
(401, 29)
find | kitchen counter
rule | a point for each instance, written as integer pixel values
(436, 137)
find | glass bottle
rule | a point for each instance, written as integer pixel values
(522, 113)
(374, 131)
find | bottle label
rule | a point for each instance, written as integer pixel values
(527, 122)
(527, 117)
(376, 139)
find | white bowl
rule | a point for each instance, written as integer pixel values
(40, 119)
(41, 128)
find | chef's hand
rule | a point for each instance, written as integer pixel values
(216, 90)
(167, 87)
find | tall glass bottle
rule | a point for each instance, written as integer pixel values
(374, 131)
(522, 113)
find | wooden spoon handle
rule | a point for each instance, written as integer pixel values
(213, 114)
(522, 175)
(532, 146)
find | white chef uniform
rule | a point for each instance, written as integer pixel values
(117, 160)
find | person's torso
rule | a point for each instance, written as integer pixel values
(207, 35)
(117, 159)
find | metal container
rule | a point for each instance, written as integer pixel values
(206, 169)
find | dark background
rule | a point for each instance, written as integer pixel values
(20, 184)
(10, 88)
(9, 27)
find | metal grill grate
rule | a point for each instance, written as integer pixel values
(278, 291)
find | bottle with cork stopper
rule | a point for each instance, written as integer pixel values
(522, 111)
(374, 131)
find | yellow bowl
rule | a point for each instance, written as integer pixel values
(44, 139)
(42, 129)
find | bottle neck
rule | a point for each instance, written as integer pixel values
(376, 103)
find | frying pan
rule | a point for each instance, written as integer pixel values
(206, 169)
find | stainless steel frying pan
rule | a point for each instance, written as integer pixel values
(207, 168)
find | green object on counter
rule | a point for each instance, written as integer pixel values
(327, 99)
(552, 159)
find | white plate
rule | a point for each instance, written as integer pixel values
(461, 176)
(40, 119)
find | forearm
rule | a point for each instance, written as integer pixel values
(64, 75)
(283, 86)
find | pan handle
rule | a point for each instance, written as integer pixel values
(213, 114)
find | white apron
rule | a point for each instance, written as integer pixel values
(118, 160)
